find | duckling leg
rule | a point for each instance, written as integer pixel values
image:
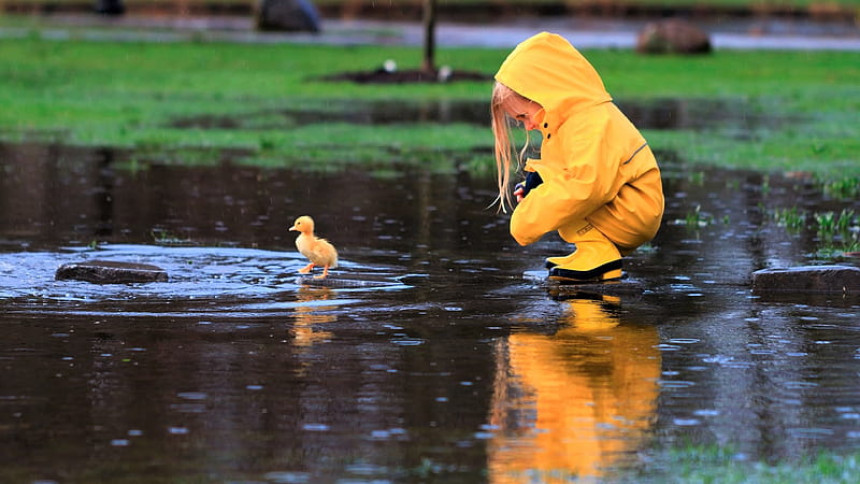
(307, 268)
(324, 274)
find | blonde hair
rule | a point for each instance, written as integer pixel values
(504, 144)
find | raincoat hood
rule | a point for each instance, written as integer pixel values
(548, 70)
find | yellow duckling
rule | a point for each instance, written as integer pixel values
(319, 251)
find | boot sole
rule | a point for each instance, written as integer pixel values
(607, 272)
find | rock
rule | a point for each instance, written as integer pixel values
(672, 36)
(804, 280)
(109, 272)
(287, 15)
(110, 7)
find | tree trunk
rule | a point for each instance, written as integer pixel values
(429, 63)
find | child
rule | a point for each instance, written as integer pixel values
(596, 182)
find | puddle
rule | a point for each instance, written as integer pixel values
(382, 112)
(699, 115)
(202, 280)
(439, 361)
(659, 114)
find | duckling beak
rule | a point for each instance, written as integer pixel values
(294, 228)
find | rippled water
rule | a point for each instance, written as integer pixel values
(425, 357)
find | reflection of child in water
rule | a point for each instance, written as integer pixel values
(596, 183)
(571, 405)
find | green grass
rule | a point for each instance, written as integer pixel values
(130, 94)
(723, 465)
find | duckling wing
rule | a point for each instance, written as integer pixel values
(305, 245)
(324, 254)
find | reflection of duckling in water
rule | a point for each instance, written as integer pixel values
(310, 312)
(319, 251)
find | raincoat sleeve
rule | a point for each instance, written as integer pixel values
(578, 175)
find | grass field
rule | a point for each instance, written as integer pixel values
(723, 465)
(131, 94)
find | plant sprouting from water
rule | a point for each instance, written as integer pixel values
(697, 218)
(838, 233)
(697, 178)
(791, 218)
(845, 189)
(765, 185)
(832, 226)
(163, 237)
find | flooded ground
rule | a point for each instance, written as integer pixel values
(426, 358)
(656, 114)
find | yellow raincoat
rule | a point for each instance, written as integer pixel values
(595, 165)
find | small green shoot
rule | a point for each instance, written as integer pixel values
(844, 189)
(163, 237)
(791, 218)
(837, 233)
(697, 218)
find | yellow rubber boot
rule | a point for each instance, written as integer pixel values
(554, 261)
(596, 258)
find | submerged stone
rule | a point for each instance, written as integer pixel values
(832, 279)
(355, 280)
(110, 272)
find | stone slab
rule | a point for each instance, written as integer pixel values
(111, 272)
(804, 280)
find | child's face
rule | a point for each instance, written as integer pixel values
(522, 110)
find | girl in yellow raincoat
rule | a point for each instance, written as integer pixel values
(596, 182)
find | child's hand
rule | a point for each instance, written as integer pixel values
(518, 191)
(523, 188)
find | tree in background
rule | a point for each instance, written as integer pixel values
(429, 22)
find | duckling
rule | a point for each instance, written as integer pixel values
(319, 251)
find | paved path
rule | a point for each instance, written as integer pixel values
(582, 33)
(624, 37)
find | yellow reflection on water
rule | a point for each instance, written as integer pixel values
(575, 403)
(308, 315)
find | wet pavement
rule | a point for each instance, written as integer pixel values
(426, 357)
(583, 32)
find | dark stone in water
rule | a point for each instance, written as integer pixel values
(355, 280)
(109, 272)
(833, 280)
